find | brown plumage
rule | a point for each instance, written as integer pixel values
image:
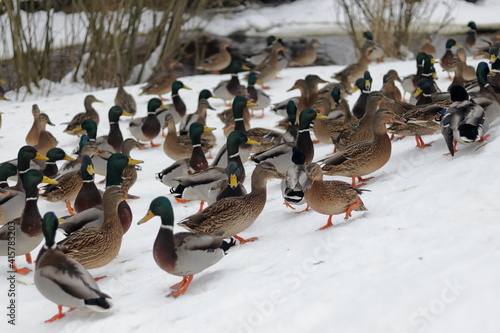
(389, 88)
(352, 72)
(327, 129)
(270, 67)
(78, 119)
(34, 132)
(96, 246)
(365, 157)
(124, 99)
(305, 56)
(428, 48)
(230, 216)
(160, 83)
(46, 140)
(331, 197)
(218, 61)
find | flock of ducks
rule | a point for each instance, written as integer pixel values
(357, 133)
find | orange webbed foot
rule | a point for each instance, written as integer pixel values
(305, 210)
(59, 315)
(328, 224)
(243, 240)
(288, 205)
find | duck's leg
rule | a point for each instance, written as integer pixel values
(261, 116)
(183, 288)
(420, 142)
(400, 138)
(69, 208)
(99, 278)
(350, 208)
(28, 258)
(162, 98)
(454, 148)
(353, 184)
(179, 285)
(305, 210)
(179, 200)
(155, 144)
(265, 87)
(59, 315)
(484, 138)
(243, 240)
(328, 224)
(22, 271)
(202, 203)
(288, 205)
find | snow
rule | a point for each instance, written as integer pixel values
(424, 258)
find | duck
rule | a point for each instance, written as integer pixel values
(90, 113)
(116, 166)
(2, 93)
(68, 185)
(293, 187)
(230, 216)
(331, 197)
(7, 170)
(409, 83)
(448, 55)
(64, 280)
(366, 157)
(305, 56)
(24, 157)
(261, 55)
(129, 175)
(96, 246)
(457, 67)
(55, 154)
(257, 96)
(423, 93)
(160, 83)
(352, 72)
(218, 61)
(464, 121)
(206, 184)
(327, 129)
(182, 254)
(114, 140)
(476, 43)
(363, 85)
(231, 187)
(46, 140)
(376, 53)
(469, 72)
(201, 112)
(427, 47)
(177, 109)
(389, 88)
(269, 68)
(493, 77)
(227, 90)
(123, 99)
(181, 147)
(27, 227)
(147, 128)
(484, 82)
(88, 195)
(85, 147)
(34, 132)
(360, 130)
(281, 156)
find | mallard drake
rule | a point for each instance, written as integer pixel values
(363, 158)
(218, 61)
(231, 187)
(360, 131)
(68, 186)
(24, 157)
(96, 246)
(88, 195)
(477, 44)
(352, 72)
(147, 128)
(54, 155)
(177, 109)
(409, 83)
(114, 140)
(117, 163)
(85, 147)
(7, 170)
(389, 88)
(160, 83)
(181, 147)
(64, 280)
(204, 185)
(305, 56)
(294, 186)
(229, 89)
(329, 129)
(464, 121)
(184, 253)
(269, 68)
(281, 156)
(469, 72)
(448, 55)
(27, 228)
(90, 113)
(230, 216)
(423, 93)
(427, 47)
(123, 99)
(201, 112)
(363, 85)
(331, 197)
(34, 132)
(257, 96)
(376, 53)
(46, 140)
(493, 77)
(486, 86)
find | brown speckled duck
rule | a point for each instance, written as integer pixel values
(160, 83)
(305, 56)
(46, 140)
(269, 68)
(352, 72)
(184, 253)
(331, 197)
(230, 216)
(34, 132)
(90, 113)
(365, 157)
(218, 61)
(123, 99)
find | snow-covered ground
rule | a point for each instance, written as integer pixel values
(424, 258)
